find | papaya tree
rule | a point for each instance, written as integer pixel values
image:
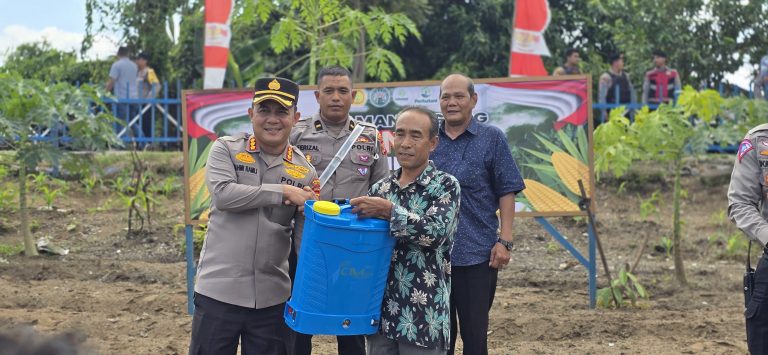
(33, 118)
(665, 135)
(328, 32)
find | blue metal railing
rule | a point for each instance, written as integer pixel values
(158, 120)
(148, 120)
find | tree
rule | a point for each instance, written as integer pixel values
(38, 60)
(704, 39)
(467, 36)
(329, 31)
(146, 25)
(29, 106)
(666, 136)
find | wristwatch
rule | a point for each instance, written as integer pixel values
(505, 243)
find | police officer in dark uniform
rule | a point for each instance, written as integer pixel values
(259, 183)
(747, 200)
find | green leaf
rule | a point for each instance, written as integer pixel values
(551, 146)
(569, 146)
(203, 158)
(540, 155)
(543, 168)
(193, 154)
(581, 136)
(619, 295)
(604, 298)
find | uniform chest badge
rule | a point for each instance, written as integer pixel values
(364, 139)
(295, 174)
(365, 158)
(245, 158)
(362, 171)
(296, 171)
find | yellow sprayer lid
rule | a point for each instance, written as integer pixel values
(327, 208)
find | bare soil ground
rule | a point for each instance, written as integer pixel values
(127, 294)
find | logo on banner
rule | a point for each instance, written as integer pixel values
(426, 96)
(400, 96)
(529, 42)
(380, 97)
(217, 35)
(359, 99)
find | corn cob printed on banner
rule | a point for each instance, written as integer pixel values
(547, 122)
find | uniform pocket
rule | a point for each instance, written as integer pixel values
(314, 158)
(282, 215)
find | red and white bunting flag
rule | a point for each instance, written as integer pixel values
(528, 45)
(218, 14)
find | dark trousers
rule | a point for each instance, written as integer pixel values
(147, 129)
(217, 327)
(302, 343)
(756, 313)
(472, 291)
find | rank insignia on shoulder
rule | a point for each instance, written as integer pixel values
(289, 154)
(744, 148)
(252, 146)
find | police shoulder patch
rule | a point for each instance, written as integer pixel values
(316, 187)
(382, 147)
(744, 148)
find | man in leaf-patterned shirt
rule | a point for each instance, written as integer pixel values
(422, 205)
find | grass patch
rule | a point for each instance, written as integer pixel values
(9, 249)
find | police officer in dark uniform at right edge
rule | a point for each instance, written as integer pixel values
(747, 208)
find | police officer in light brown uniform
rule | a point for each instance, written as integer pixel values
(259, 183)
(320, 137)
(747, 207)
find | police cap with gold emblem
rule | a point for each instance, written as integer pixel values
(282, 90)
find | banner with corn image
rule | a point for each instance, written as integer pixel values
(199, 197)
(552, 174)
(546, 120)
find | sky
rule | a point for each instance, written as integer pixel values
(62, 23)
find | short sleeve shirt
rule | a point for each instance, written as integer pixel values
(124, 72)
(482, 162)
